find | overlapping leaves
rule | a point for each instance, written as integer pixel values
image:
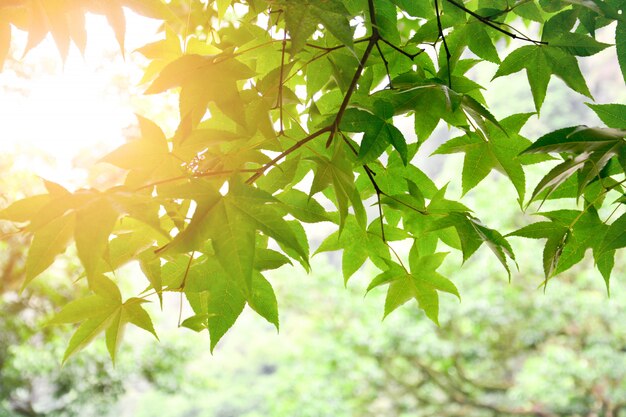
(286, 118)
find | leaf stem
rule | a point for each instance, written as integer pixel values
(379, 192)
(397, 257)
(595, 200)
(182, 288)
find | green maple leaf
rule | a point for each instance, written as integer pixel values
(338, 173)
(480, 43)
(233, 239)
(216, 299)
(231, 233)
(387, 20)
(620, 45)
(267, 217)
(22, 211)
(613, 115)
(231, 223)
(416, 8)
(148, 157)
(432, 100)
(569, 234)
(421, 284)
(378, 132)
(540, 62)
(303, 207)
(592, 149)
(203, 79)
(357, 244)
(94, 223)
(615, 237)
(499, 150)
(472, 234)
(48, 242)
(129, 312)
(303, 16)
(102, 311)
(266, 259)
(263, 300)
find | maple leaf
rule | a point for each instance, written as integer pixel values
(592, 149)
(357, 244)
(303, 17)
(422, 284)
(569, 234)
(204, 79)
(499, 150)
(540, 62)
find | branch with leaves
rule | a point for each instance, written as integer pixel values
(207, 211)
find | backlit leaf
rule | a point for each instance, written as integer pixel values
(48, 242)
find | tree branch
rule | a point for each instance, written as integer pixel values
(445, 43)
(400, 50)
(385, 63)
(195, 175)
(279, 99)
(379, 192)
(493, 25)
(355, 79)
(260, 171)
(333, 128)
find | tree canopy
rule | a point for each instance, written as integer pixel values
(289, 113)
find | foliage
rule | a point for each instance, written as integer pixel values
(505, 350)
(290, 109)
(32, 382)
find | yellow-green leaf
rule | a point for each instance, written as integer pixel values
(48, 242)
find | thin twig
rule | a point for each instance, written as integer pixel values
(494, 25)
(379, 192)
(386, 63)
(325, 51)
(333, 128)
(334, 48)
(280, 86)
(182, 287)
(195, 175)
(260, 171)
(400, 50)
(445, 43)
(355, 79)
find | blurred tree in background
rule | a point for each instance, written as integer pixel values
(32, 381)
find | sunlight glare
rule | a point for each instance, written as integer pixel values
(58, 112)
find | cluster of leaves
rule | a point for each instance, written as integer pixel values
(287, 111)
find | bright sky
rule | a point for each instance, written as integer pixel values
(60, 110)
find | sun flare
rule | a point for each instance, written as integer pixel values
(57, 110)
